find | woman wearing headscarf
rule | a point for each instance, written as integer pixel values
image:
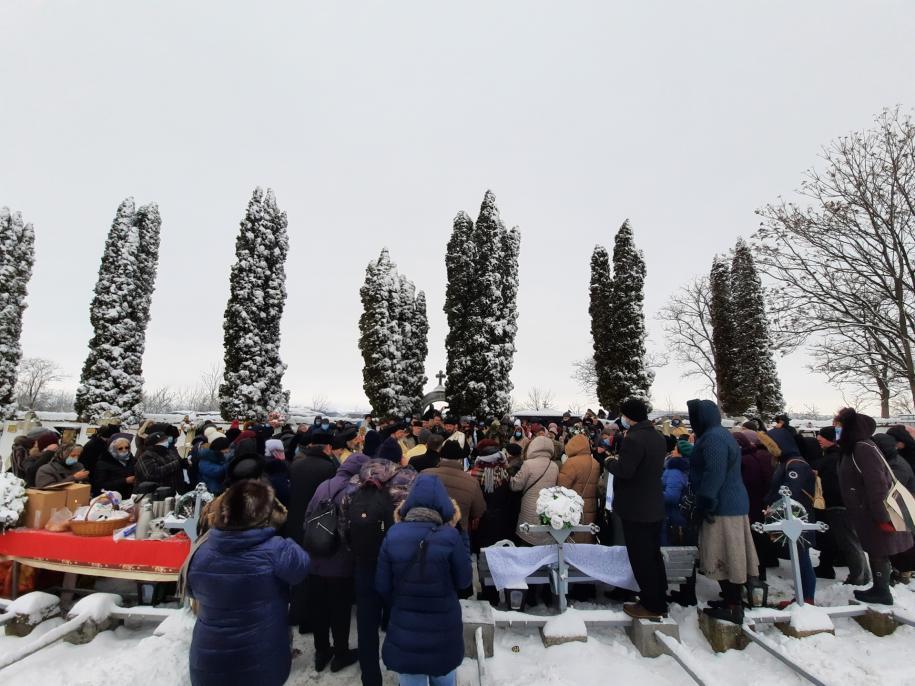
(65, 467)
(116, 468)
(490, 469)
(866, 480)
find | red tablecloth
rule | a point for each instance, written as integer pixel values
(100, 552)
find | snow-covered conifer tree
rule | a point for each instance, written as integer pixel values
(754, 367)
(723, 338)
(627, 372)
(414, 337)
(480, 304)
(600, 303)
(17, 255)
(108, 383)
(380, 339)
(252, 381)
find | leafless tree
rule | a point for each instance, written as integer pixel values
(36, 374)
(159, 401)
(538, 399)
(320, 403)
(688, 331)
(846, 259)
(210, 380)
(585, 375)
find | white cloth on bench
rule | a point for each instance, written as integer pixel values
(510, 567)
(609, 564)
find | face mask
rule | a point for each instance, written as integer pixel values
(838, 433)
(325, 427)
(70, 461)
(517, 434)
(171, 441)
(624, 422)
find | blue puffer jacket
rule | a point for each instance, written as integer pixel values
(211, 467)
(675, 477)
(425, 632)
(715, 464)
(241, 582)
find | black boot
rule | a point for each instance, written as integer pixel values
(728, 613)
(879, 593)
(344, 659)
(322, 658)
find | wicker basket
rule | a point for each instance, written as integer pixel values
(104, 527)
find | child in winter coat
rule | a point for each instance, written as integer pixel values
(675, 478)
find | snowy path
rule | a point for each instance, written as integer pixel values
(852, 656)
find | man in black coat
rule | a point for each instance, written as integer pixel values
(638, 499)
(312, 466)
(96, 447)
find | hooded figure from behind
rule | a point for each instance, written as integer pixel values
(422, 565)
(240, 577)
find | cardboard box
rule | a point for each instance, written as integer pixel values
(42, 502)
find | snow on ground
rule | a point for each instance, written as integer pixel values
(852, 656)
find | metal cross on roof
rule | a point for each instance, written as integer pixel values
(441, 377)
(793, 527)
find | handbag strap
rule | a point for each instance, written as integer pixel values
(537, 480)
(420, 549)
(886, 464)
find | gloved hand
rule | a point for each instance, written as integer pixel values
(887, 528)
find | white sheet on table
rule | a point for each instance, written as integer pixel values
(609, 564)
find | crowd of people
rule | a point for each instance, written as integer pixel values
(387, 514)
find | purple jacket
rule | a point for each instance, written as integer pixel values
(340, 564)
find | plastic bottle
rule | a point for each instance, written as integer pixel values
(143, 520)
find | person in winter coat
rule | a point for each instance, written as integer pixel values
(277, 468)
(726, 551)
(538, 471)
(64, 468)
(431, 456)
(490, 471)
(638, 500)
(367, 514)
(841, 535)
(41, 453)
(757, 465)
(865, 481)
(115, 470)
(461, 486)
(796, 473)
(901, 469)
(675, 479)
(905, 443)
(97, 447)
(212, 460)
(239, 576)
(330, 579)
(581, 473)
(158, 464)
(422, 565)
(314, 465)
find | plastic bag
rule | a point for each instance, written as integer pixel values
(60, 520)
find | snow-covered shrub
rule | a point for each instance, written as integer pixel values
(12, 500)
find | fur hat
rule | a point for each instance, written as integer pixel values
(219, 444)
(248, 504)
(635, 409)
(451, 450)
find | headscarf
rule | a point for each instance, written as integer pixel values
(490, 467)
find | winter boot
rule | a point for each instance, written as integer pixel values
(344, 660)
(322, 659)
(879, 593)
(728, 613)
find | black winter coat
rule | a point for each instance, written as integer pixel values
(33, 464)
(96, 447)
(159, 465)
(827, 467)
(638, 493)
(111, 475)
(306, 473)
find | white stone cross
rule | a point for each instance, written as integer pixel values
(792, 527)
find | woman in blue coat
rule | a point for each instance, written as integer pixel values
(422, 565)
(240, 578)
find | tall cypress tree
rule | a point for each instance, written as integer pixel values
(17, 256)
(379, 336)
(627, 373)
(480, 304)
(414, 332)
(723, 337)
(108, 383)
(252, 381)
(757, 383)
(600, 302)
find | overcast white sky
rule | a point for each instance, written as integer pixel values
(375, 122)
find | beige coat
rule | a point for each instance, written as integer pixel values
(539, 471)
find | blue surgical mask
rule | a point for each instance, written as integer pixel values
(171, 441)
(517, 434)
(70, 461)
(838, 433)
(325, 426)
(625, 423)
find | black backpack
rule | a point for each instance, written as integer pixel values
(321, 537)
(371, 514)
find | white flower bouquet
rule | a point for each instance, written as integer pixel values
(12, 500)
(560, 507)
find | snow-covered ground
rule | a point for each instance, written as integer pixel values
(852, 656)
